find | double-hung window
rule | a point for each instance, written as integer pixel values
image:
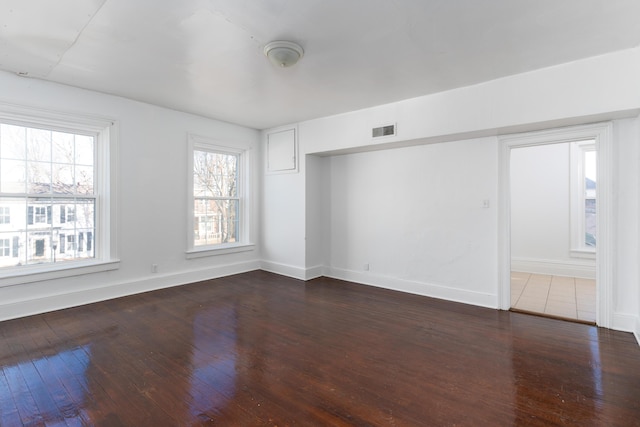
(55, 184)
(218, 203)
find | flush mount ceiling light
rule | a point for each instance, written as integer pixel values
(283, 54)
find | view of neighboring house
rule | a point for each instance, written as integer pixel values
(44, 231)
(47, 212)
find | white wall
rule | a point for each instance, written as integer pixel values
(540, 213)
(282, 221)
(152, 198)
(595, 89)
(540, 202)
(626, 152)
(416, 216)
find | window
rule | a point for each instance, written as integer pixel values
(71, 243)
(5, 249)
(5, 215)
(67, 214)
(218, 204)
(56, 181)
(583, 197)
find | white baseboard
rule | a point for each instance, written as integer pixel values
(636, 330)
(299, 273)
(624, 322)
(585, 269)
(31, 306)
(419, 288)
(314, 272)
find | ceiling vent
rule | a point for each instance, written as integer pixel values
(387, 130)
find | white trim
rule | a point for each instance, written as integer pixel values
(433, 290)
(314, 272)
(243, 151)
(573, 268)
(222, 250)
(59, 301)
(43, 272)
(636, 330)
(601, 132)
(292, 271)
(623, 322)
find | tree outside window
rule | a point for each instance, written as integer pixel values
(216, 198)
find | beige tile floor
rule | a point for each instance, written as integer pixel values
(568, 297)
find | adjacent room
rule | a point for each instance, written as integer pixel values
(267, 212)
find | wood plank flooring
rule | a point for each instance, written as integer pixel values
(261, 349)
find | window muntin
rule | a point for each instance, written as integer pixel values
(60, 160)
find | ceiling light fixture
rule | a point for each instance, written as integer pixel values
(283, 54)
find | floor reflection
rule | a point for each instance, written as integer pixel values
(56, 385)
(259, 349)
(573, 384)
(214, 360)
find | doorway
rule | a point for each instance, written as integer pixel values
(556, 275)
(553, 229)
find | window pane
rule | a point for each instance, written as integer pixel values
(215, 174)
(84, 211)
(84, 150)
(38, 145)
(590, 174)
(12, 142)
(38, 177)
(216, 222)
(63, 151)
(14, 176)
(62, 179)
(84, 180)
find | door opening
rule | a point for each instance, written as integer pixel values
(554, 230)
(587, 247)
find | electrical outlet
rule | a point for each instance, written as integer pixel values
(366, 267)
(154, 268)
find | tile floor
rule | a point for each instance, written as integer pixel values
(567, 297)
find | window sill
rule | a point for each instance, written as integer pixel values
(38, 273)
(583, 253)
(221, 250)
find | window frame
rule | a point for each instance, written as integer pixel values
(577, 151)
(244, 243)
(105, 185)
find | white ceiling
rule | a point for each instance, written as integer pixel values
(205, 56)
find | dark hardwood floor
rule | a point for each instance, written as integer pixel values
(262, 349)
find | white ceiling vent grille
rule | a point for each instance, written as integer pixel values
(387, 130)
